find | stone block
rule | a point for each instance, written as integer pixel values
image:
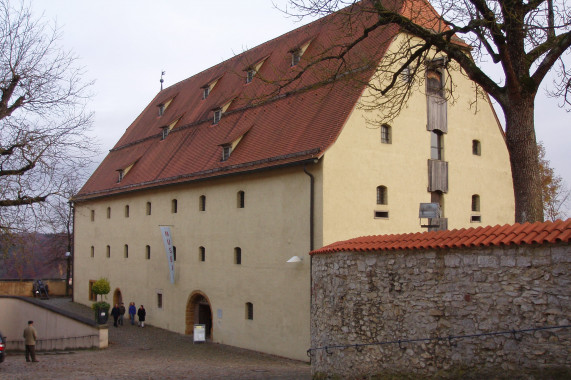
(487, 261)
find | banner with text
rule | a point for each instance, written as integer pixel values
(167, 240)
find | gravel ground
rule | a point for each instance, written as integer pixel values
(150, 353)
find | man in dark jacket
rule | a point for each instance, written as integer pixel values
(115, 312)
(121, 313)
(142, 313)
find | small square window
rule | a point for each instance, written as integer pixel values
(386, 134)
(159, 300)
(476, 148)
(92, 295)
(241, 199)
(381, 214)
(202, 254)
(202, 203)
(226, 150)
(476, 219)
(217, 116)
(250, 76)
(295, 57)
(165, 132)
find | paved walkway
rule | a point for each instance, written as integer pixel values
(151, 353)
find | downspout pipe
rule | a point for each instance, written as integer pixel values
(311, 238)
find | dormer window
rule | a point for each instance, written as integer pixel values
(165, 133)
(226, 150)
(121, 174)
(295, 57)
(250, 75)
(163, 106)
(298, 52)
(217, 116)
(205, 92)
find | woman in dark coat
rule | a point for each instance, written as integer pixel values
(141, 313)
(115, 312)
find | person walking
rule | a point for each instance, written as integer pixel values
(121, 313)
(132, 312)
(115, 313)
(30, 337)
(142, 313)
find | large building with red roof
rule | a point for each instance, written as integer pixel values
(262, 158)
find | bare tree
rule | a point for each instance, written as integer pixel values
(43, 117)
(525, 39)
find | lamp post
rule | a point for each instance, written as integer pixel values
(68, 276)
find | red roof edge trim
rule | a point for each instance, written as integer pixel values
(506, 235)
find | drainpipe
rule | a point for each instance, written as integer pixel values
(71, 259)
(311, 233)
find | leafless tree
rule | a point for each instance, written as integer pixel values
(43, 117)
(524, 39)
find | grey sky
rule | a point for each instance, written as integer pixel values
(124, 46)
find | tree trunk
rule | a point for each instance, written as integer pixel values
(522, 147)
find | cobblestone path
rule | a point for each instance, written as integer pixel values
(150, 353)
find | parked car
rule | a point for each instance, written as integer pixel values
(2, 347)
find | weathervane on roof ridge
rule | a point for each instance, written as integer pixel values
(162, 80)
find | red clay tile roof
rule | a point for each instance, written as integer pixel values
(285, 126)
(509, 234)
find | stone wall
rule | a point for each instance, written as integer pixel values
(23, 288)
(379, 298)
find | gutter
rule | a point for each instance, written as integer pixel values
(311, 236)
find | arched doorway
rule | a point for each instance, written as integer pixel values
(198, 311)
(117, 297)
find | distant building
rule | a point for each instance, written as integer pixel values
(247, 177)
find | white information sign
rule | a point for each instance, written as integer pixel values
(167, 240)
(199, 334)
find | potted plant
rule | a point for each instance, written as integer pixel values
(101, 287)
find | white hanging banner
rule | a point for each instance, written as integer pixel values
(167, 240)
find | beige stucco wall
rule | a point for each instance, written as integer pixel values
(358, 162)
(55, 330)
(271, 228)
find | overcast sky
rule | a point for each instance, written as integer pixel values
(124, 45)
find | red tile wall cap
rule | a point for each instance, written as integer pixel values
(558, 231)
